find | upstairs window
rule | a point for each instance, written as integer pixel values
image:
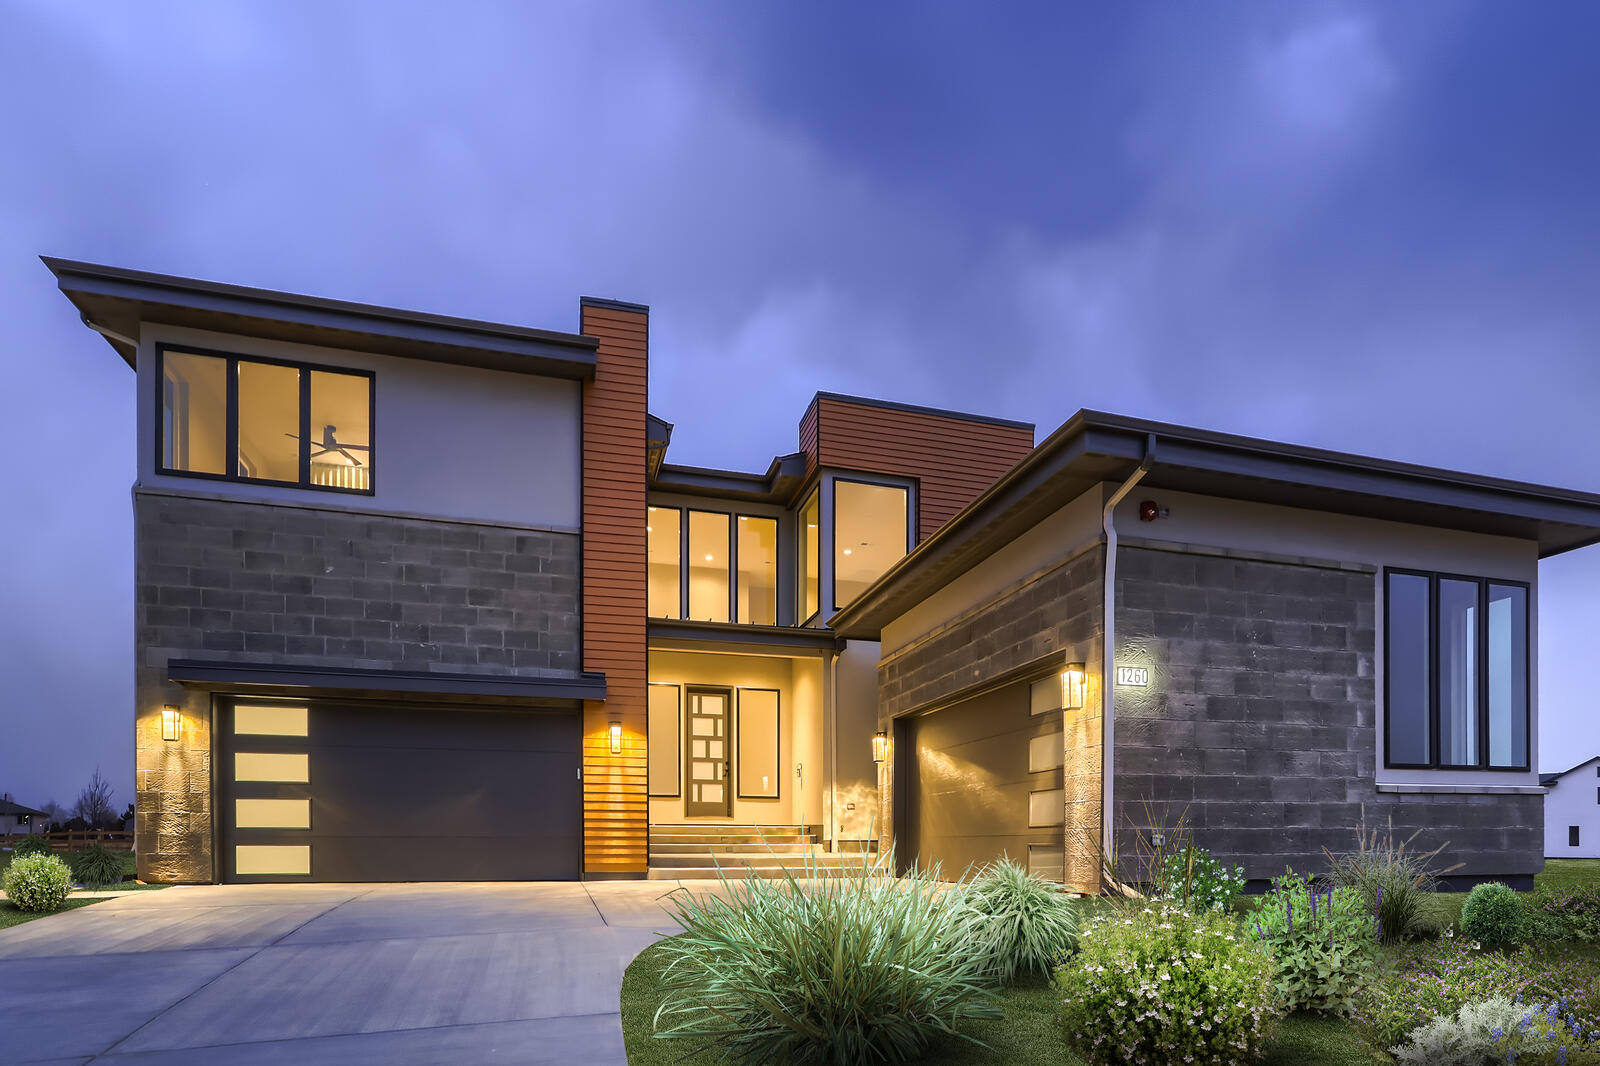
(871, 532)
(1455, 672)
(265, 422)
(663, 529)
(706, 567)
(758, 571)
(810, 538)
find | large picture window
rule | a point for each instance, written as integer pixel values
(265, 421)
(871, 524)
(663, 528)
(706, 567)
(1455, 672)
(758, 571)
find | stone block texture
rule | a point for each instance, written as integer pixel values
(245, 582)
(1055, 617)
(1259, 720)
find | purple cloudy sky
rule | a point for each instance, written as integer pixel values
(1371, 227)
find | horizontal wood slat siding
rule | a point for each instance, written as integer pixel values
(953, 459)
(615, 805)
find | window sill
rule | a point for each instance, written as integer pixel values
(1463, 789)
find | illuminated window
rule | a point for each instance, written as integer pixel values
(272, 813)
(870, 524)
(271, 766)
(708, 566)
(758, 570)
(663, 528)
(309, 427)
(269, 719)
(1455, 672)
(810, 556)
(268, 859)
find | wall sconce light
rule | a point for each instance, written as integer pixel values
(171, 722)
(880, 746)
(1074, 684)
(616, 738)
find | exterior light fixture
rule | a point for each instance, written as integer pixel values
(1074, 683)
(171, 722)
(880, 746)
(616, 738)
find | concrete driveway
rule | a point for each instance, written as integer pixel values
(313, 974)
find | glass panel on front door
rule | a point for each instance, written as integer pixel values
(708, 756)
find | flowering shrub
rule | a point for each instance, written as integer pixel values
(1492, 915)
(1564, 914)
(37, 882)
(1437, 978)
(1549, 1033)
(1322, 942)
(1160, 984)
(1473, 1037)
(1195, 879)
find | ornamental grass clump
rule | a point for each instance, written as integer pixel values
(1030, 924)
(863, 968)
(1323, 942)
(96, 866)
(1493, 915)
(1396, 881)
(33, 844)
(37, 883)
(1156, 984)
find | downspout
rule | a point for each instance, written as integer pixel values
(1108, 667)
(110, 334)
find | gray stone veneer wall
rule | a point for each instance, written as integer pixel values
(247, 582)
(1054, 616)
(1260, 719)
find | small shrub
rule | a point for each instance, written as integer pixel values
(1549, 1033)
(1395, 881)
(1030, 923)
(842, 970)
(1492, 915)
(30, 845)
(97, 866)
(1195, 879)
(1472, 1037)
(1322, 941)
(1159, 984)
(37, 883)
(1564, 914)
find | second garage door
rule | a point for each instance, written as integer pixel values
(334, 792)
(982, 779)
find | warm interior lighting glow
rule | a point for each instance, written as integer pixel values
(1074, 683)
(171, 722)
(880, 746)
(711, 558)
(616, 738)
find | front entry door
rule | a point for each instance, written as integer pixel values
(709, 755)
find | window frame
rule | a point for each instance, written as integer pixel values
(1481, 695)
(906, 487)
(733, 564)
(732, 515)
(230, 446)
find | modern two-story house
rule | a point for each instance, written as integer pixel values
(423, 598)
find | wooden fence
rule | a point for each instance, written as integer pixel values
(78, 839)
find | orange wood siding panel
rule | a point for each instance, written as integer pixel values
(615, 807)
(808, 437)
(953, 459)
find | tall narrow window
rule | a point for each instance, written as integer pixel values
(758, 571)
(1406, 652)
(1508, 675)
(194, 413)
(810, 556)
(1458, 672)
(708, 566)
(341, 430)
(869, 534)
(663, 528)
(269, 421)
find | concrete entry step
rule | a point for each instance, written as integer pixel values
(798, 847)
(747, 858)
(739, 873)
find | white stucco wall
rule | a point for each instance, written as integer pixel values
(1574, 800)
(453, 442)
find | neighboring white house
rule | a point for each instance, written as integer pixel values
(1572, 812)
(15, 818)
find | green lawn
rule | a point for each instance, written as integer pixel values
(129, 871)
(1029, 1033)
(10, 915)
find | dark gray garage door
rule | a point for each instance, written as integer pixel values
(330, 792)
(982, 779)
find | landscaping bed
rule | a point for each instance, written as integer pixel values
(1343, 990)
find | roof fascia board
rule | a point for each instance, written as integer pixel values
(209, 674)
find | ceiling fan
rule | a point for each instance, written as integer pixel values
(330, 443)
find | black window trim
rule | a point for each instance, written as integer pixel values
(905, 485)
(231, 420)
(1482, 765)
